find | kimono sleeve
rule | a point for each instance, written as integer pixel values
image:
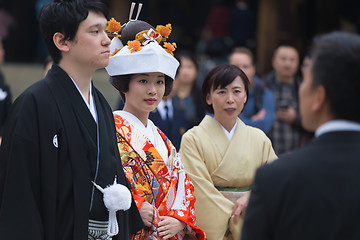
(20, 185)
(186, 213)
(210, 203)
(268, 152)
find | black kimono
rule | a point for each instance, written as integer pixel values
(48, 159)
(5, 101)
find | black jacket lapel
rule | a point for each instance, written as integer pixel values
(56, 79)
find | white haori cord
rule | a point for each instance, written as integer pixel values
(175, 162)
(116, 197)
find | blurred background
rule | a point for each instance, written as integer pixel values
(209, 28)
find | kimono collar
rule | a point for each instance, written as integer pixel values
(90, 105)
(231, 133)
(215, 130)
(150, 132)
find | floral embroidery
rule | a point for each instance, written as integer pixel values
(164, 30)
(113, 28)
(152, 181)
(170, 47)
(134, 46)
(180, 213)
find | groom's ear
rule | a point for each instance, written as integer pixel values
(60, 42)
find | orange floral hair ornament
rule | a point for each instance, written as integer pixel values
(134, 46)
(170, 47)
(164, 30)
(144, 37)
(147, 52)
(113, 28)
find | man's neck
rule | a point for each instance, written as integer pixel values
(81, 76)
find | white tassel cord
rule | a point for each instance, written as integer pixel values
(180, 193)
(116, 197)
(113, 227)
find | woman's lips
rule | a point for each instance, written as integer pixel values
(150, 100)
(230, 109)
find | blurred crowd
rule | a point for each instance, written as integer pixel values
(228, 36)
(200, 123)
(272, 104)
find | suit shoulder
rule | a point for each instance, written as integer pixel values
(290, 163)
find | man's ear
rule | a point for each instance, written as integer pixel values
(60, 42)
(320, 99)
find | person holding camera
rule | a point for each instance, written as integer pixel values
(284, 84)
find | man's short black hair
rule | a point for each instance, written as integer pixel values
(336, 66)
(65, 17)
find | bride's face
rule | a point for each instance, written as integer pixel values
(145, 92)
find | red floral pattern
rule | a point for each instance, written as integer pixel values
(151, 180)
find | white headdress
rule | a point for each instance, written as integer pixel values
(144, 53)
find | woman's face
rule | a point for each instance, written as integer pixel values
(187, 71)
(228, 102)
(145, 93)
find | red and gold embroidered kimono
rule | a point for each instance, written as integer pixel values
(165, 186)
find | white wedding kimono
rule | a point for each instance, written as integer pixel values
(212, 160)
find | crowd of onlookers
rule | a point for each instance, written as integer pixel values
(197, 148)
(272, 104)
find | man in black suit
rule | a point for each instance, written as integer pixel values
(314, 193)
